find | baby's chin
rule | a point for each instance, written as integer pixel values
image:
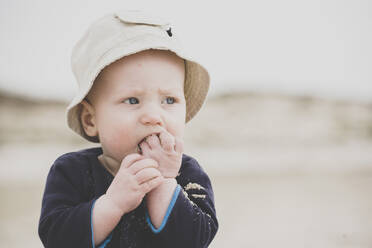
(135, 149)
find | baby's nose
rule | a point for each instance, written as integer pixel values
(152, 118)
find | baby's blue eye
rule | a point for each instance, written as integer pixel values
(170, 100)
(131, 100)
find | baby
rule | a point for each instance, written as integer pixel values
(137, 88)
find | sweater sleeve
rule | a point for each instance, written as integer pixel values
(192, 221)
(65, 219)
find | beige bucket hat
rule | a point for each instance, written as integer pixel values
(120, 34)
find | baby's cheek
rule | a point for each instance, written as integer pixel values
(117, 144)
(177, 131)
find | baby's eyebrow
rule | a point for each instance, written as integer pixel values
(135, 91)
(140, 91)
(169, 91)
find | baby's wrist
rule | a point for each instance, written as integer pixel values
(170, 173)
(171, 176)
(112, 206)
(170, 180)
(168, 183)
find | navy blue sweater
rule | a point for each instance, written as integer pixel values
(77, 179)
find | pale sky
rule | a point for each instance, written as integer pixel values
(320, 47)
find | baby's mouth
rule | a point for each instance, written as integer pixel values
(139, 149)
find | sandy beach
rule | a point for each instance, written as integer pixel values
(287, 171)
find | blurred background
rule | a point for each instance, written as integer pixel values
(285, 134)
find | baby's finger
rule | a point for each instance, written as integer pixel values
(147, 174)
(167, 141)
(153, 141)
(145, 148)
(142, 164)
(151, 184)
(179, 146)
(130, 159)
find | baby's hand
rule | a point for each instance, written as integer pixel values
(166, 150)
(136, 177)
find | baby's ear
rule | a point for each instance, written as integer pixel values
(87, 119)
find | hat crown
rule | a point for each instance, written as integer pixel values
(114, 28)
(141, 17)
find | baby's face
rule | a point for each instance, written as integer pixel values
(137, 96)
